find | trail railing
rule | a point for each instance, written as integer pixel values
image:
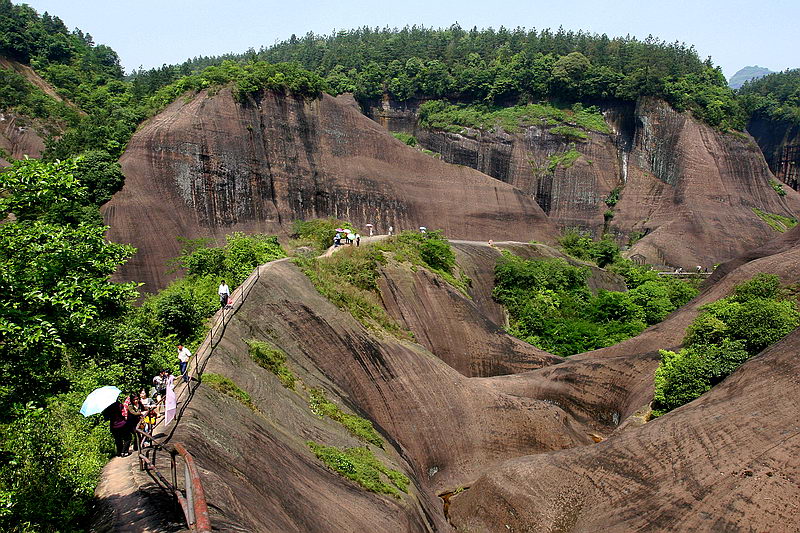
(191, 498)
(189, 494)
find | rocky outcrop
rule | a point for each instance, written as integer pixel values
(522, 444)
(725, 462)
(465, 330)
(441, 428)
(208, 166)
(18, 138)
(683, 186)
(780, 142)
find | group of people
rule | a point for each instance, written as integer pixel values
(137, 411)
(140, 411)
(340, 239)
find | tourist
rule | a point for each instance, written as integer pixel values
(171, 402)
(146, 402)
(134, 417)
(183, 361)
(224, 292)
(119, 428)
(160, 385)
(358, 239)
(391, 230)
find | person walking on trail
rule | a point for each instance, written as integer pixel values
(183, 361)
(224, 292)
(391, 229)
(119, 428)
(358, 239)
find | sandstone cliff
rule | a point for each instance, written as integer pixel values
(780, 142)
(18, 138)
(520, 443)
(687, 188)
(207, 166)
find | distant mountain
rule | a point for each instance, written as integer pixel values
(746, 74)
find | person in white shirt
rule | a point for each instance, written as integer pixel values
(183, 360)
(224, 292)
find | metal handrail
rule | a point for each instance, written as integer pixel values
(192, 498)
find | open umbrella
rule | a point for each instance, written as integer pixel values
(99, 399)
(340, 230)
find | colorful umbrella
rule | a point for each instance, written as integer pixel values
(99, 399)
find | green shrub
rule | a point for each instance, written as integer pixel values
(356, 425)
(272, 359)
(405, 138)
(723, 336)
(228, 387)
(778, 223)
(361, 466)
(777, 187)
(319, 231)
(550, 305)
(604, 252)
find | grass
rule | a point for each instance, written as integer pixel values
(441, 115)
(563, 160)
(360, 427)
(571, 133)
(777, 222)
(272, 359)
(349, 280)
(361, 466)
(422, 251)
(405, 138)
(777, 187)
(228, 387)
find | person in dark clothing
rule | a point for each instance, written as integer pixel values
(119, 428)
(134, 417)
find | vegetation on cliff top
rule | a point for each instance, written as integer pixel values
(439, 114)
(723, 336)
(496, 67)
(776, 96)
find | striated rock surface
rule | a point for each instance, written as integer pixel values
(725, 462)
(441, 428)
(780, 142)
(465, 330)
(209, 166)
(687, 188)
(18, 138)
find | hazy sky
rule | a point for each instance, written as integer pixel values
(148, 33)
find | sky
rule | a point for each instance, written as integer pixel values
(149, 33)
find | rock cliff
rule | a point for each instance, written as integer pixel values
(18, 138)
(520, 444)
(684, 187)
(780, 142)
(207, 166)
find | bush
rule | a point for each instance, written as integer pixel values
(360, 427)
(361, 466)
(550, 305)
(272, 359)
(723, 336)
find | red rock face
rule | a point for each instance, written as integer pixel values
(18, 137)
(210, 166)
(689, 188)
(725, 462)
